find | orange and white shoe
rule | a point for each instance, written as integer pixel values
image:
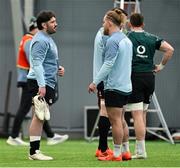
(126, 155)
(99, 153)
(110, 158)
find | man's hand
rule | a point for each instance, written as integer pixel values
(42, 91)
(92, 88)
(61, 71)
(158, 68)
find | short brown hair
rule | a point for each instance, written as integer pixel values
(136, 19)
(116, 16)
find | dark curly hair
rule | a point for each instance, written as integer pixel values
(44, 16)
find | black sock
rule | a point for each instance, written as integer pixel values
(104, 126)
(35, 145)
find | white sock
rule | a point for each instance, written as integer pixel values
(35, 138)
(117, 150)
(140, 147)
(125, 147)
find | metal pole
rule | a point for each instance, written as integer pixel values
(6, 112)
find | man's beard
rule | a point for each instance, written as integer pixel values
(106, 31)
(51, 31)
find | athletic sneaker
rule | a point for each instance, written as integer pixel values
(126, 155)
(39, 107)
(140, 156)
(57, 139)
(110, 158)
(39, 156)
(46, 112)
(99, 153)
(16, 141)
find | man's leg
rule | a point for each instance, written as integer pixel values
(140, 130)
(24, 108)
(143, 88)
(125, 137)
(36, 125)
(104, 126)
(125, 141)
(115, 117)
(47, 129)
(35, 131)
(139, 125)
(114, 102)
(145, 108)
(126, 154)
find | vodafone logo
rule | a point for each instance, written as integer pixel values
(141, 49)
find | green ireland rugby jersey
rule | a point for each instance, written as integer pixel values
(144, 47)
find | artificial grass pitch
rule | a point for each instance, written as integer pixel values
(80, 153)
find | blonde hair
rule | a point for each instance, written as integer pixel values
(116, 16)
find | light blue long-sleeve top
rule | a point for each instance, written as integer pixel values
(116, 68)
(99, 46)
(43, 60)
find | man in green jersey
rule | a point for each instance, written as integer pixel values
(143, 79)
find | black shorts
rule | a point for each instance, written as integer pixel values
(143, 85)
(115, 99)
(33, 89)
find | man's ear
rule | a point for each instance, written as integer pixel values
(44, 25)
(128, 24)
(109, 23)
(143, 25)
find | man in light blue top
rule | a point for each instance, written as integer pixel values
(116, 75)
(26, 101)
(104, 124)
(42, 76)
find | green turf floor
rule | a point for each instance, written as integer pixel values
(74, 153)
